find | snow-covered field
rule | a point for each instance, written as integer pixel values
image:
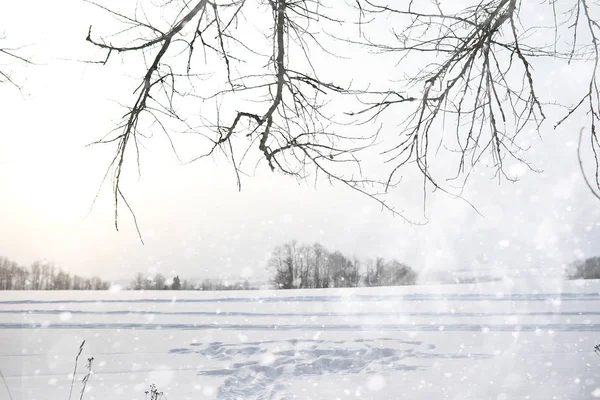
(502, 340)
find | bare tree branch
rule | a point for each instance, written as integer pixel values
(467, 87)
(8, 57)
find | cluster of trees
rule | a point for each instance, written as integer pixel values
(584, 269)
(218, 284)
(44, 276)
(390, 273)
(294, 266)
(160, 282)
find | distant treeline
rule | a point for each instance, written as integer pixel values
(291, 266)
(584, 269)
(299, 266)
(160, 282)
(44, 276)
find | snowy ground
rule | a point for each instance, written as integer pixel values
(501, 340)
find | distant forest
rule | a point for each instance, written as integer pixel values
(291, 266)
(44, 276)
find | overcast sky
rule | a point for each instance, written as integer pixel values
(193, 219)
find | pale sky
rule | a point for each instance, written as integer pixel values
(193, 219)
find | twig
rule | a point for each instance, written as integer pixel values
(86, 378)
(6, 385)
(75, 368)
(587, 182)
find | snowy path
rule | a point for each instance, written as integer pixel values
(492, 342)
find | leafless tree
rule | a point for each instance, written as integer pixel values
(36, 275)
(138, 281)
(468, 85)
(160, 282)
